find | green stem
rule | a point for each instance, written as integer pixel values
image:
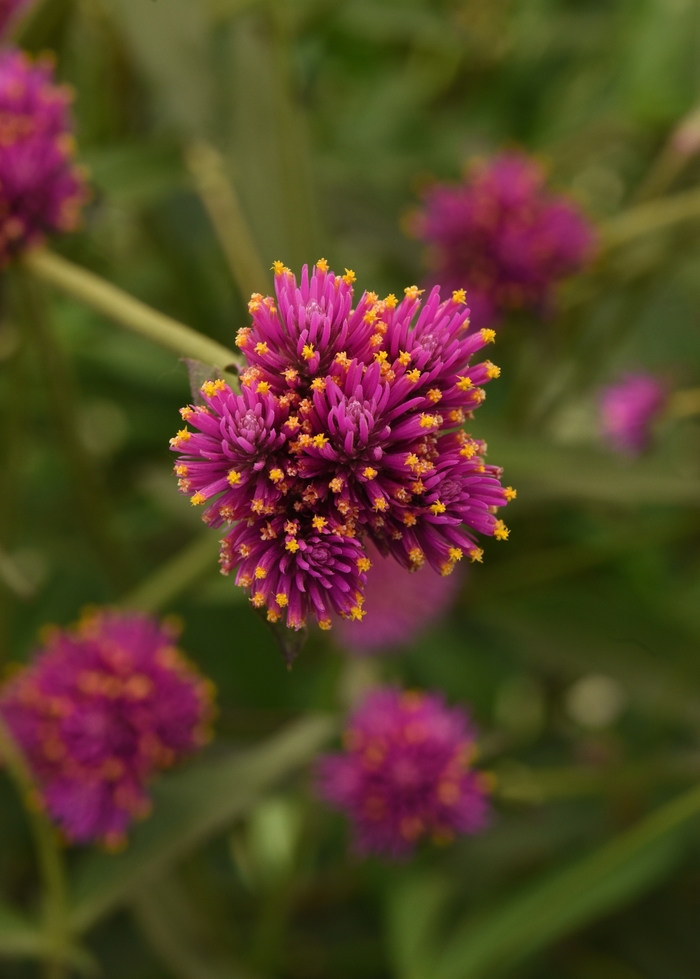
(93, 506)
(49, 857)
(650, 216)
(123, 309)
(175, 576)
(220, 200)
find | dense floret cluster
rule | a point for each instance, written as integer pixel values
(42, 190)
(399, 605)
(405, 772)
(100, 711)
(348, 427)
(628, 410)
(504, 237)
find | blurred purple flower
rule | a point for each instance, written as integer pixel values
(399, 605)
(503, 236)
(99, 712)
(42, 191)
(628, 410)
(405, 772)
(348, 429)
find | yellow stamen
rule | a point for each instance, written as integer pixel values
(349, 277)
(292, 545)
(500, 531)
(336, 485)
(464, 383)
(508, 492)
(262, 348)
(416, 557)
(325, 624)
(318, 384)
(279, 267)
(322, 265)
(437, 507)
(430, 421)
(290, 375)
(281, 599)
(380, 504)
(413, 292)
(459, 296)
(488, 336)
(413, 375)
(276, 475)
(476, 554)
(233, 478)
(369, 473)
(243, 336)
(363, 564)
(491, 370)
(308, 351)
(391, 302)
(319, 523)
(260, 572)
(434, 394)
(198, 499)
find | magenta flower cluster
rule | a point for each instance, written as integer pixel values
(405, 773)
(100, 711)
(42, 190)
(398, 607)
(348, 428)
(502, 236)
(628, 410)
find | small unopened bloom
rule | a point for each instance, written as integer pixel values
(502, 236)
(399, 605)
(348, 430)
(628, 410)
(405, 772)
(101, 710)
(42, 191)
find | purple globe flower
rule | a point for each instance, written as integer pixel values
(405, 773)
(42, 191)
(502, 236)
(99, 712)
(628, 410)
(398, 606)
(348, 429)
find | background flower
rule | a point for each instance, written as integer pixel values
(99, 712)
(628, 410)
(399, 605)
(405, 772)
(502, 236)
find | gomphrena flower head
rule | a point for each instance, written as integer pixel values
(399, 605)
(99, 712)
(405, 772)
(503, 236)
(348, 429)
(628, 410)
(42, 190)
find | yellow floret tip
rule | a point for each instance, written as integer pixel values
(281, 599)
(488, 336)
(325, 624)
(319, 523)
(369, 473)
(318, 384)
(233, 478)
(322, 265)
(279, 267)
(459, 296)
(510, 493)
(260, 572)
(276, 475)
(500, 531)
(198, 499)
(437, 507)
(349, 277)
(491, 370)
(308, 351)
(262, 348)
(363, 564)
(292, 545)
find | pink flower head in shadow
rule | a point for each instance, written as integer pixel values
(399, 605)
(628, 410)
(101, 710)
(405, 773)
(502, 236)
(42, 191)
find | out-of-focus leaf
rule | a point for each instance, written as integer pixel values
(170, 44)
(544, 471)
(179, 936)
(19, 937)
(172, 578)
(413, 917)
(568, 899)
(190, 807)
(135, 174)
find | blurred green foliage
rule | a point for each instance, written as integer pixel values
(330, 117)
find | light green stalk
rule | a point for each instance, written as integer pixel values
(208, 170)
(651, 216)
(123, 309)
(175, 576)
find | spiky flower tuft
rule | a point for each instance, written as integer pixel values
(348, 428)
(503, 236)
(99, 712)
(42, 191)
(405, 773)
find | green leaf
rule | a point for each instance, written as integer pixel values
(19, 937)
(190, 807)
(170, 42)
(180, 936)
(413, 916)
(564, 901)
